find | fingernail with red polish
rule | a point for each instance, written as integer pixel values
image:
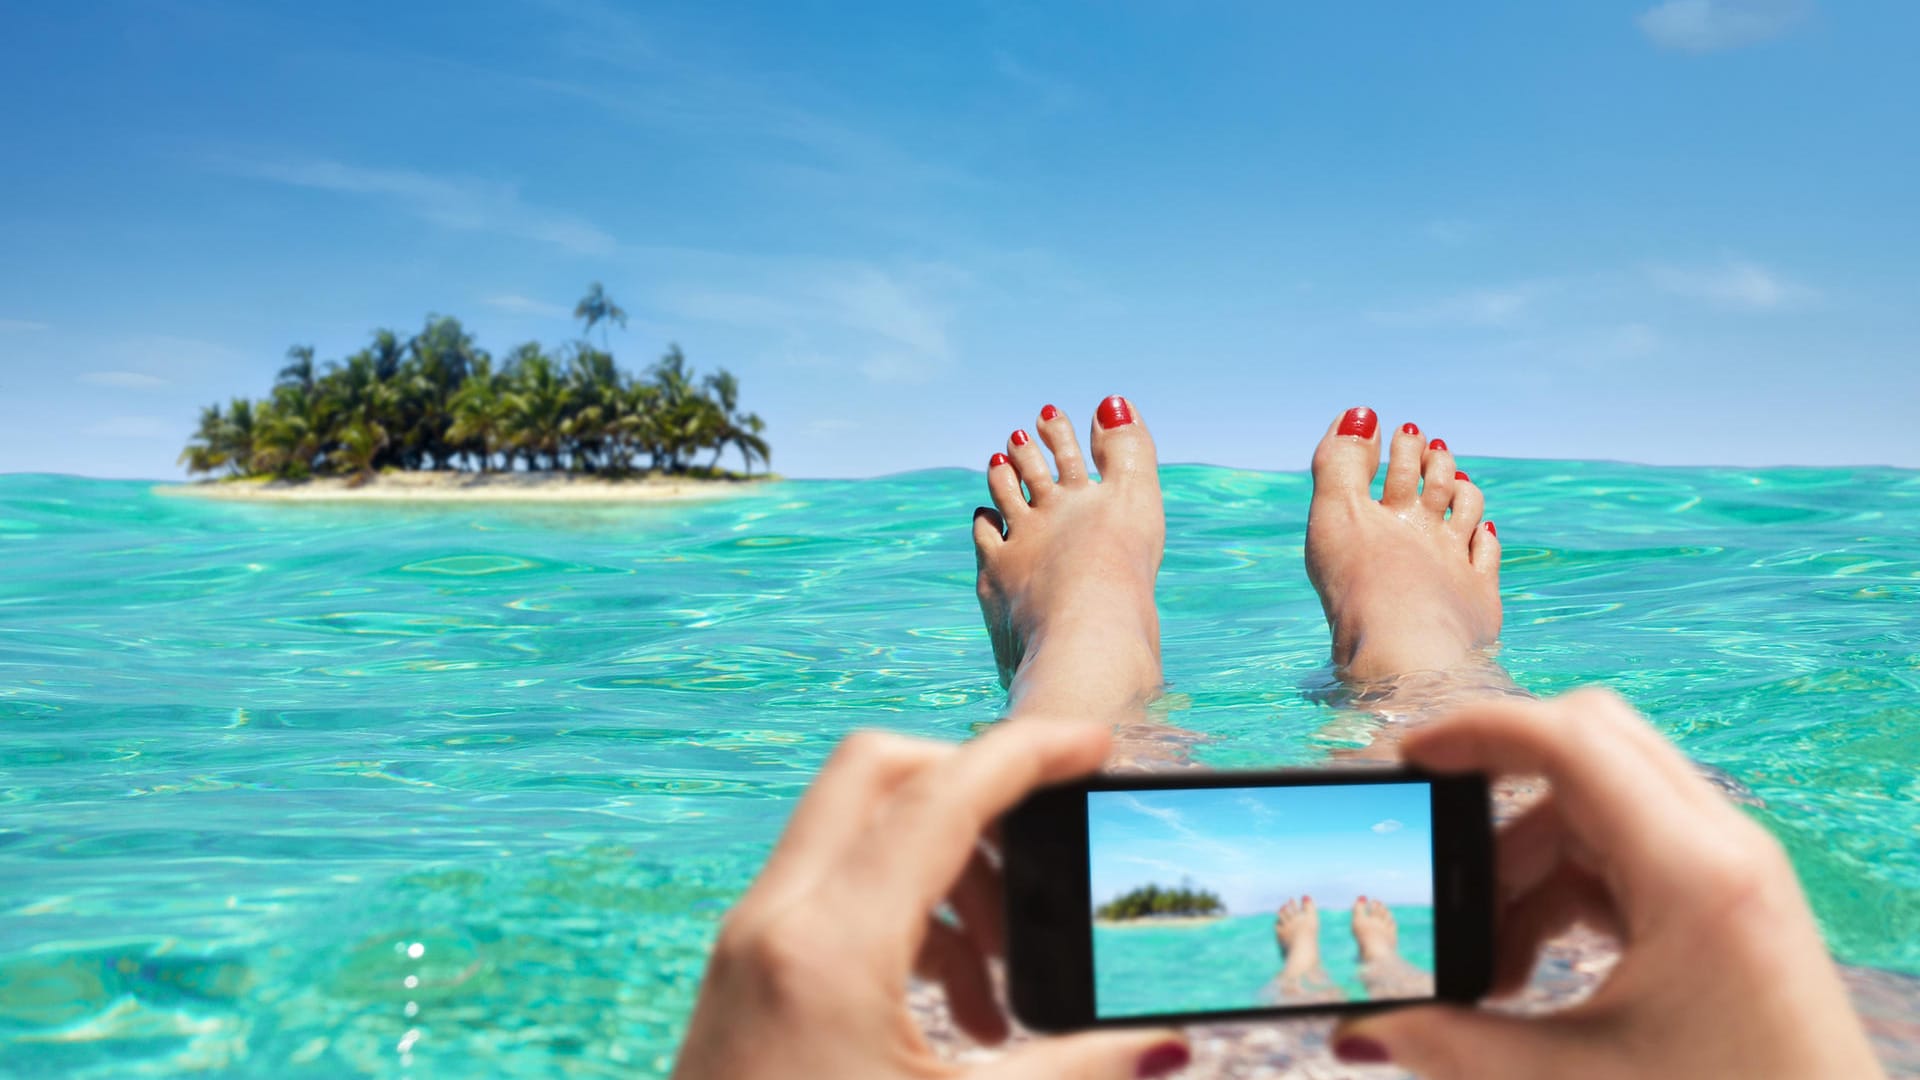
(1360, 1050)
(996, 461)
(1410, 428)
(1359, 422)
(1437, 444)
(1491, 531)
(1019, 438)
(1459, 476)
(1048, 412)
(1169, 1057)
(1114, 413)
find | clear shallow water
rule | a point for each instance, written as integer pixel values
(1226, 964)
(251, 755)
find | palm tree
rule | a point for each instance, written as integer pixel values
(289, 436)
(536, 407)
(204, 452)
(479, 414)
(299, 369)
(596, 308)
(595, 403)
(741, 431)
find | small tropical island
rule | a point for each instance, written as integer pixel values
(435, 417)
(1161, 905)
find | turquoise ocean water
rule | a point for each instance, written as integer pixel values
(311, 791)
(1226, 964)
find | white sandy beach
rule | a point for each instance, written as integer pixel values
(452, 487)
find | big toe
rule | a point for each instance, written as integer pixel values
(1122, 448)
(1348, 455)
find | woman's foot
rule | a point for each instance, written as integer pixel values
(1067, 567)
(1374, 931)
(1384, 972)
(1410, 582)
(1296, 929)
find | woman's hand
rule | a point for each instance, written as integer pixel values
(1722, 970)
(809, 975)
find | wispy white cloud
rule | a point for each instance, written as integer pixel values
(1450, 231)
(891, 325)
(1747, 286)
(1166, 815)
(123, 380)
(1388, 826)
(1254, 806)
(1047, 90)
(21, 326)
(452, 202)
(132, 427)
(1711, 25)
(514, 304)
(1499, 306)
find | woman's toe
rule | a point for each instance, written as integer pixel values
(1468, 504)
(1436, 478)
(1484, 550)
(989, 532)
(1057, 432)
(1030, 465)
(1121, 446)
(1004, 485)
(1348, 456)
(1403, 468)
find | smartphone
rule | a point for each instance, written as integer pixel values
(1170, 898)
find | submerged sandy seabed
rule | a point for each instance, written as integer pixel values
(420, 487)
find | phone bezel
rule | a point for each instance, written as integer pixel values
(1049, 915)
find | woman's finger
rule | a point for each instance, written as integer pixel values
(949, 958)
(936, 818)
(977, 900)
(840, 804)
(1609, 796)
(1566, 896)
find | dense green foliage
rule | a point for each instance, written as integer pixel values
(1148, 900)
(437, 401)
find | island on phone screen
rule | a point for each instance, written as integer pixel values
(1217, 899)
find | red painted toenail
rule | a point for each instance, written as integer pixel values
(1409, 428)
(1459, 476)
(1359, 422)
(1048, 412)
(1019, 438)
(1491, 530)
(1114, 412)
(996, 461)
(1437, 444)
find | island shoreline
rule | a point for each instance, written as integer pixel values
(468, 487)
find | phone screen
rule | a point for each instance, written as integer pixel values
(1217, 899)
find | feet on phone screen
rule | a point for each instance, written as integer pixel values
(1067, 565)
(1410, 581)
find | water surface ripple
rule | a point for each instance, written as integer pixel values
(316, 790)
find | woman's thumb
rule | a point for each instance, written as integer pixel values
(1098, 1055)
(1446, 1041)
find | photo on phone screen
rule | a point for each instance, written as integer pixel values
(1203, 897)
(1136, 898)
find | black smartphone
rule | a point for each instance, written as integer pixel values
(1170, 898)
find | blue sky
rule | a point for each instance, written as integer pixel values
(1676, 231)
(1257, 847)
